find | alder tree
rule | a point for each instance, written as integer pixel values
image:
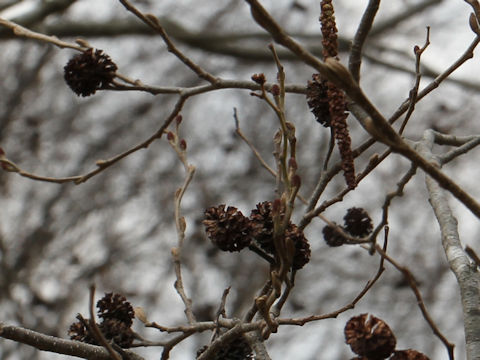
(139, 221)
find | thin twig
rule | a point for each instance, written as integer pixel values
(388, 200)
(95, 330)
(19, 30)
(250, 314)
(221, 312)
(416, 7)
(461, 150)
(355, 59)
(309, 215)
(328, 155)
(154, 23)
(257, 154)
(172, 343)
(351, 305)
(418, 76)
(435, 83)
(413, 285)
(103, 164)
(180, 148)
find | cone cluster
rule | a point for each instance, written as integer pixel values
(372, 339)
(357, 223)
(230, 230)
(117, 317)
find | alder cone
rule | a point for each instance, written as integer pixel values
(370, 337)
(87, 72)
(118, 332)
(228, 229)
(236, 349)
(115, 306)
(408, 355)
(79, 332)
(317, 100)
(261, 220)
(116, 314)
(333, 237)
(358, 222)
(302, 247)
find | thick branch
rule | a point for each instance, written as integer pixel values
(366, 23)
(57, 345)
(467, 276)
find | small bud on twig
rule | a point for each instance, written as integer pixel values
(140, 315)
(178, 119)
(275, 90)
(259, 78)
(296, 181)
(183, 144)
(292, 163)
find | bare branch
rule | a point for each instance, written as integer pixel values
(406, 14)
(334, 314)
(418, 76)
(95, 329)
(57, 345)
(361, 34)
(155, 24)
(374, 123)
(413, 285)
(468, 277)
(19, 30)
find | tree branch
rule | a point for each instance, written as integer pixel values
(373, 121)
(468, 277)
(366, 23)
(57, 345)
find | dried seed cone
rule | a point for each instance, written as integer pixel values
(115, 306)
(302, 247)
(317, 100)
(358, 222)
(116, 314)
(79, 332)
(261, 221)
(87, 72)
(369, 336)
(236, 349)
(333, 237)
(408, 355)
(117, 331)
(228, 229)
